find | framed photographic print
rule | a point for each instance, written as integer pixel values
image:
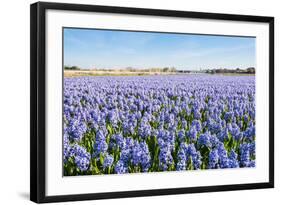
(129, 102)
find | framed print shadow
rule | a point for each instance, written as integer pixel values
(129, 102)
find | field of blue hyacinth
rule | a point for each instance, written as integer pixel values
(133, 124)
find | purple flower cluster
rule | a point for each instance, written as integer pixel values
(158, 123)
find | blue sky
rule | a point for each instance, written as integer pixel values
(91, 48)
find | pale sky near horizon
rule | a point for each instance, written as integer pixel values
(92, 48)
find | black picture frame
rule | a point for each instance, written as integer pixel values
(38, 100)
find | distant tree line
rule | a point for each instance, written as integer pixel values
(250, 70)
(71, 68)
(131, 69)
